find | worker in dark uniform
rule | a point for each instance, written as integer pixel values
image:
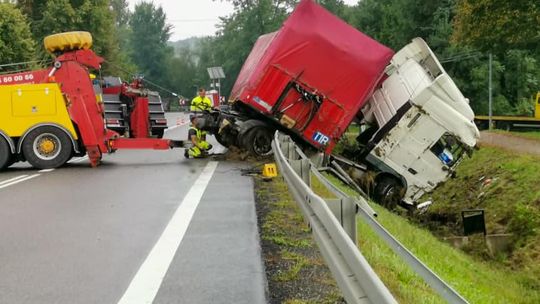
(201, 102)
(198, 139)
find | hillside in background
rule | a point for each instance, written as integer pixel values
(180, 45)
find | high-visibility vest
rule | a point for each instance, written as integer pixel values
(200, 133)
(199, 104)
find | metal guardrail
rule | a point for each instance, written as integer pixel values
(333, 222)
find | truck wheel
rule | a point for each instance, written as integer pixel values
(258, 141)
(68, 41)
(159, 133)
(221, 140)
(388, 192)
(5, 154)
(47, 147)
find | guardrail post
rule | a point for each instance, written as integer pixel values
(348, 222)
(283, 146)
(292, 155)
(317, 159)
(344, 209)
(303, 168)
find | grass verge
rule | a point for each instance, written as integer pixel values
(505, 185)
(525, 134)
(478, 281)
(295, 270)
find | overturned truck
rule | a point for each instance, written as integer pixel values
(317, 75)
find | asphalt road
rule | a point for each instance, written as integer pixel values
(145, 226)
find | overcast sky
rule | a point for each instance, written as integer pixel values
(196, 17)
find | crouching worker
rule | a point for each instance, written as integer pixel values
(198, 139)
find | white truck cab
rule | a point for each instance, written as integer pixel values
(421, 126)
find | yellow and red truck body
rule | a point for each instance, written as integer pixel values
(63, 97)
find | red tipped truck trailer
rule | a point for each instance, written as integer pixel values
(311, 78)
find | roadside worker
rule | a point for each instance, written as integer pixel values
(198, 139)
(201, 102)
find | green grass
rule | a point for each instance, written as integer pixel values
(478, 281)
(506, 186)
(299, 261)
(300, 268)
(525, 134)
(503, 183)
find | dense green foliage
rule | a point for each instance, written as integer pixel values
(148, 40)
(16, 44)
(460, 36)
(461, 32)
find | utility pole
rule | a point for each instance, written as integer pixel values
(490, 92)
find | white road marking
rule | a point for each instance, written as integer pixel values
(45, 170)
(19, 180)
(12, 179)
(78, 159)
(172, 128)
(147, 281)
(177, 126)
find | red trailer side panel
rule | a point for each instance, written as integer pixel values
(313, 75)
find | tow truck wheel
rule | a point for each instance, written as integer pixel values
(47, 147)
(258, 141)
(68, 41)
(5, 154)
(388, 192)
(159, 134)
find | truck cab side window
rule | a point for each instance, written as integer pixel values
(447, 149)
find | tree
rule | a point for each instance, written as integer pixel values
(148, 41)
(238, 32)
(498, 25)
(183, 73)
(336, 7)
(16, 44)
(122, 15)
(58, 16)
(93, 16)
(395, 22)
(33, 9)
(511, 31)
(121, 12)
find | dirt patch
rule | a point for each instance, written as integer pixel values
(295, 269)
(236, 154)
(510, 142)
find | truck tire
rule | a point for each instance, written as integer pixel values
(388, 192)
(158, 133)
(221, 140)
(258, 141)
(68, 41)
(5, 154)
(47, 147)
